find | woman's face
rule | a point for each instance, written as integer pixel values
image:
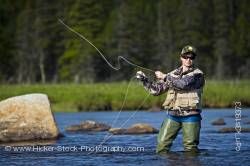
(187, 60)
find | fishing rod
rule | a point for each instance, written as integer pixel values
(100, 53)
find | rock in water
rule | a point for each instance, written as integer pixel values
(219, 121)
(27, 117)
(116, 131)
(139, 128)
(88, 125)
(247, 122)
(234, 130)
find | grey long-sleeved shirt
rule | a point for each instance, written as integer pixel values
(177, 80)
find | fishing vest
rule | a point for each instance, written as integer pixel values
(184, 100)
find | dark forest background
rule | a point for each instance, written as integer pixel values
(36, 48)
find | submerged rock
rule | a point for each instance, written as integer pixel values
(139, 128)
(233, 130)
(88, 125)
(27, 117)
(247, 122)
(117, 131)
(219, 121)
(237, 116)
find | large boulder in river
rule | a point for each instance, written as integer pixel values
(27, 117)
(88, 125)
(139, 128)
(218, 122)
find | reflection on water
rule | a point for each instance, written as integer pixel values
(184, 158)
(29, 143)
(216, 148)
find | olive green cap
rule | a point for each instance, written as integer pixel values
(188, 49)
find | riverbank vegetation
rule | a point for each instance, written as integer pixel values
(110, 96)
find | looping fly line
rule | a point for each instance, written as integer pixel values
(107, 137)
(104, 58)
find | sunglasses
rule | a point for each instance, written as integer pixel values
(186, 57)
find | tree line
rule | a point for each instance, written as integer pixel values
(36, 48)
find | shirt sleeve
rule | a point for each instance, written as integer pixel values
(155, 88)
(189, 82)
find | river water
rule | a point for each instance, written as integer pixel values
(82, 148)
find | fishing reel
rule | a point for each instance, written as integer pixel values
(140, 76)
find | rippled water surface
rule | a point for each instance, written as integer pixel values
(216, 148)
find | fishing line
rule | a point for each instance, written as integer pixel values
(105, 59)
(131, 116)
(123, 103)
(118, 115)
(115, 68)
(108, 136)
(119, 58)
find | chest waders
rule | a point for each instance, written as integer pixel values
(169, 130)
(184, 105)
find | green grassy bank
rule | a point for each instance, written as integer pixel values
(107, 96)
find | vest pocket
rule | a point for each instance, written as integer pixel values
(169, 102)
(193, 99)
(182, 100)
